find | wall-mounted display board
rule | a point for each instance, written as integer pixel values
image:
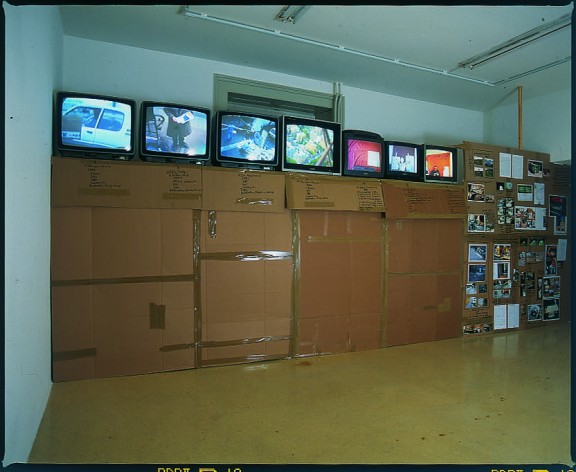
(516, 220)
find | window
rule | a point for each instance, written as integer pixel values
(243, 95)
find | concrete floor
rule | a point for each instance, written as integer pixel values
(497, 399)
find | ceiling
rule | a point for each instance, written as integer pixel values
(408, 51)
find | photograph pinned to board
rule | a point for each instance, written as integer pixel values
(476, 272)
(551, 309)
(539, 193)
(560, 225)
(505, 208)
(476, 192)
(551, 260)
(477, 252)
(530, 281)
(551, 287)
(488, 167)
(558, 205)
(474, 288)
(530, 218)
(502, 289)
(537, 241)
(525, 192)
(476, 223)
(477, 328)
(502, 252)
(500, 186)
(475, 302)
(535, 168)
(539, 288)
(534, 312)
(523, 284)
(501, 270)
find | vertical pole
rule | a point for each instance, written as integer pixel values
(520, 117)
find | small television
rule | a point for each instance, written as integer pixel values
(311, 145)
(404, 161)
(441, 164)
(246, 140)
(171, 132)
(94, 126)
(362, 154)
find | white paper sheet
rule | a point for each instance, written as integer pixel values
(500, 316)
(561, 249)
(513, 316)
(517, 166)
(505, 164)
(539, 194)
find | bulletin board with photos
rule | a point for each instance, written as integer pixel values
(516, 239)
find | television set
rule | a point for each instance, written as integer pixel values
(171, 132)
(441, 164)
(404, 161)
(246, 140)
(362, 154)
(94, 126)
(311, 145)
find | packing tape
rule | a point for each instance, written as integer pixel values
(243, 360)
(295, 298)
(126, 280)
(196, 264)
(212, 224)
(254, 201)
(178, 347)
(344, 239)
(248, 256)
(157, 316)
(239, 342)
(61, 356)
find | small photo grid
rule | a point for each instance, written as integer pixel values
(476, 288)
(551, 287)
(502, 289)
(483, 166)
(475, 302)
(505, 207)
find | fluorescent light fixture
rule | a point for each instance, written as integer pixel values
(290, 13)
(517, 42)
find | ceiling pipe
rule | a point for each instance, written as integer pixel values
(520, 117)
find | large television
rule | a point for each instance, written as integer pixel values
(362, 154)
(246, 140)
(441, 164)
(94, 126)
(404, 161)
(311, 145)
(171, 132)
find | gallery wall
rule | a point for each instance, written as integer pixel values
(33, 70)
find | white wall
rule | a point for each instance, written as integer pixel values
(142, 74)
(33, 65)
(546, 124)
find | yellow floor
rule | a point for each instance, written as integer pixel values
(498, 399)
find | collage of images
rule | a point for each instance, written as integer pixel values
(494, 270)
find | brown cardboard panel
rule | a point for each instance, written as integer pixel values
(243, 190)
(230, 231)
(366, 278)
(177, 242)
(72, 322)
(365, 331)
(234, 354)
(279, 326)
(179, 359)
(71, 243)
(329, 334)
(313, 192)
(423, 200)
(278, 348)
(131, 184)
(126, 242)
(397, 332)
(233, 330)
(73, 369)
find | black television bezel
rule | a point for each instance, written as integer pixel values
(166, 156)
(89, 152)
(417, 176)
(368, 136)
(336, 127)
(222, 161)
(441, 179)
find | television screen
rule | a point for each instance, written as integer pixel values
(246, 140)
(362, 154)
(404, 161)
(441, 164)
(94, 126)
(311, 145)
(173, 132)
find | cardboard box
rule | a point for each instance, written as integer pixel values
(339, 301)
(246, 288)
(243, 190)
(423, 292)
(122, 291)
(321, 192)
(125, 184)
